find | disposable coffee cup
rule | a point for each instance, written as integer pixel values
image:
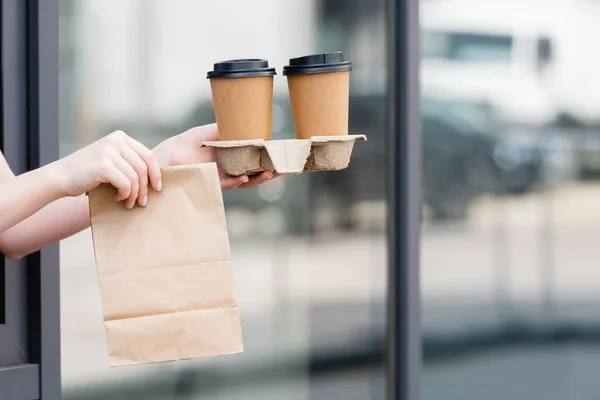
(319, 86)
(242, 92)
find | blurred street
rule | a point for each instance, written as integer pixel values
(283, 285)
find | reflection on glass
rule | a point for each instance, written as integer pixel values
(308, 250)
(510, 125)
(469, 47)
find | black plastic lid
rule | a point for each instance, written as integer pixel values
(318, 63)
(241, 69)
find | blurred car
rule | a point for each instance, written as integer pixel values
(462, 159)
(516, 152)
(466, 152)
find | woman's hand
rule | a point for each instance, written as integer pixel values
(186, 149)
(116, 159)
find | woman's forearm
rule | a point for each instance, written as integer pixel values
(58, 220)
(35, 209)
(24, 195)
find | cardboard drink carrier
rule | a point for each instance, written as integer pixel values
(292, 156)
(319, 87)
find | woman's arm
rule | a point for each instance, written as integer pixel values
(31, 214)
(67, 216)
(23, 196)
(59, 220)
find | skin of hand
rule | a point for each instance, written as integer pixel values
(186, 149)
(67, 216)
(116, 159)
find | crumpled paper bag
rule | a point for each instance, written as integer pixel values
(165, 274)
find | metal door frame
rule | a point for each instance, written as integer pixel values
(29, 37)
(404, 202)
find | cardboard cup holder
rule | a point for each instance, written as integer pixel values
(292, 156)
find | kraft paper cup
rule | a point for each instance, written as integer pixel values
(242, 92)
(319, 88)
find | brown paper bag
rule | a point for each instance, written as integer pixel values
(165, 274)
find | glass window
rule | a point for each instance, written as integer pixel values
(509, 282)
(309, 250)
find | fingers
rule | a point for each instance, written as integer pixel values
(258, 179)
(134, 182)
(245, 182)
(141, 169)
(231, 182)
(152, 167)
(139, 166)
(117, 179)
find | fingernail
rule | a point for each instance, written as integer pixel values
(159, 186)
(270, 177)
(246, 180)
(131, 206)
(145, 201)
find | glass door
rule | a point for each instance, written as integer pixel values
(309, 251)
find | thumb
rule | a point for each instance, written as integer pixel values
(201, 134)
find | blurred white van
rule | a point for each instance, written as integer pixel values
(533, 59)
